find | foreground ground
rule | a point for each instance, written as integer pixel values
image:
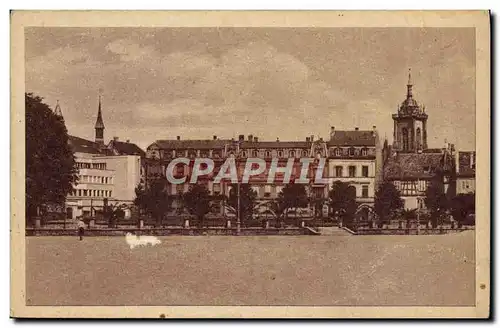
(259, 270)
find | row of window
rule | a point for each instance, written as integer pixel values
(337, 152)
(262, 191)
(339, 171)
(97, 166)
(95, 179)
(91, 193)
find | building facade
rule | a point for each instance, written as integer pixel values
(466, 172)
(348, 156)
(106, 173)
(409, 164)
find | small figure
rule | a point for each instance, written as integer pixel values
(81, 228)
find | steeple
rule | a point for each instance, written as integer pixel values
(99, 125)
(409, 93)
(57, 110)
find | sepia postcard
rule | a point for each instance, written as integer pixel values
(219, 164)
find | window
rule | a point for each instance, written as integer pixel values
(364, 192)
(338, 171)
(268, 154)
(110, 193)
(338, 152)
(351, 151)
(365, 171)
(292, 153)
(243, 154)
(406, 145)
(304, 153)
(352, 171)
(267, 194)
(255, 153)
(84, 192)
(280, 153)
(364, 152)
(419, 138)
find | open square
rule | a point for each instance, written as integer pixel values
(436, 270)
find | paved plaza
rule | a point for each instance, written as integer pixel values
(256, 270)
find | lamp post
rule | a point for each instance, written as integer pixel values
(418, 214)
(236, 155)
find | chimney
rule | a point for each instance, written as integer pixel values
(308, 139)
(178, 137)
(255, 139)
(332, 131)
(128, 140)
(312, 138)
(115, 138)
(374, 130)
(250, 137)
(215, 137)
(356, 129)
(277, 139)
(241, 137)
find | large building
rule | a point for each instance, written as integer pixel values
(350, 156)
(466, 172)
(409, 164)
(106, 173)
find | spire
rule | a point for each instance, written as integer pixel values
(409, 86)
(99, 124)
(58, 111)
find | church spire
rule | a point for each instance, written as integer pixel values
(57, 110)
(99, 125)
(409, 93)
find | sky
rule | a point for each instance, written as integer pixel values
(286, 83)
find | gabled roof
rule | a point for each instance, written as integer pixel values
(353, 138)
(126, 148)
(80, 145)
(410, 165)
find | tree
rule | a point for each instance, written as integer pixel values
(155, 200)
(387, 202)
(247, 200)
(436, 200)
(50, 164)
(113, 213)
(462, 206)
(197, 201)
(343, 200)
(292, 196)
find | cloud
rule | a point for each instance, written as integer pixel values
(249, 87)
(130, 51)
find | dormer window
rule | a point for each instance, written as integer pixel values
(292, 153)
(255, 153)
(351, 151)
(280, 153)
(304, 153)
(268, 154)
(364, 152)
(338, 152)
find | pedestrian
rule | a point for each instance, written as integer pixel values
(81, 228)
